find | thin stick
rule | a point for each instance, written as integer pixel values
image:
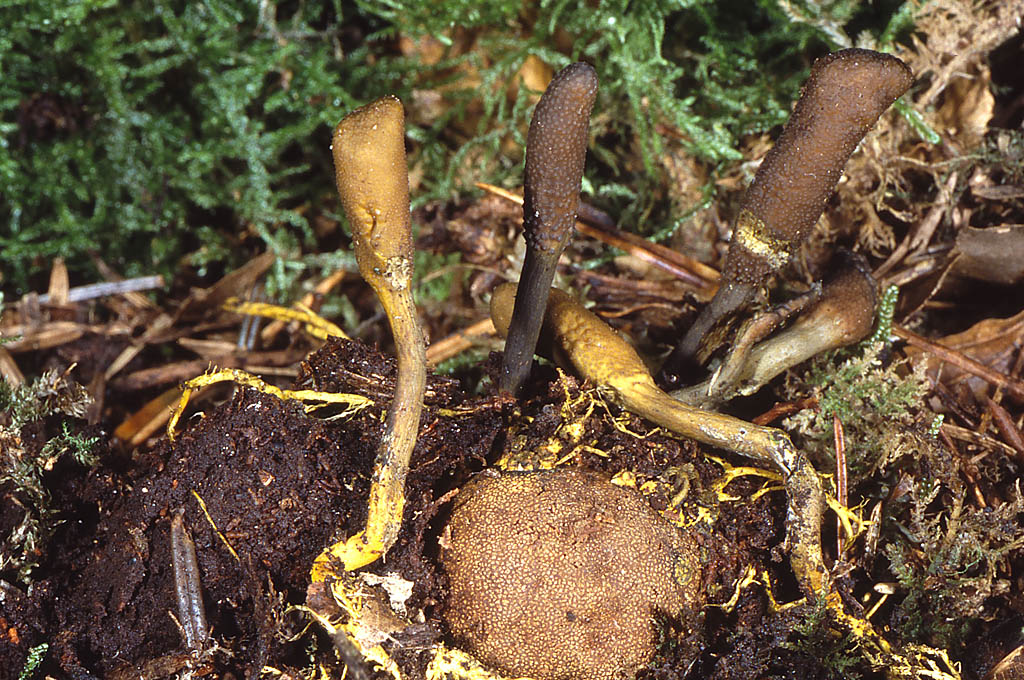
(458, 342)
(962, 361)
(840, 439)
(684, 268)
(95, 290)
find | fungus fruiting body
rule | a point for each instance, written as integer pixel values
(842, 99)
(562, 575)
(556, 147)
(372, 177)
(843, 315)
(578, 338)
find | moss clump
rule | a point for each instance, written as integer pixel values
(198, 129)
(148, 126)
(561, 575)
(29, 449)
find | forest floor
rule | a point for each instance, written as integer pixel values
(97, 502)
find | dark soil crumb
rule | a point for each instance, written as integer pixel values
(278, 484)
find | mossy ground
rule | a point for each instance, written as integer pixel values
(200, 129)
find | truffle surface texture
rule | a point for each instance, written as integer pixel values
(562, 575)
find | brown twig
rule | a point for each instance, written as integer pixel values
(965, 466)
(9, 370)
(1004, 423)
(840, 440)
(961, 361)
(782, 410)
(458, 342)
(687, 269)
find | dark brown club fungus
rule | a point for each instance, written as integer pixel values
(843, 98)
(556, 147)
(562, 575)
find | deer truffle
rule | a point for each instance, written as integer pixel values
(562, 575)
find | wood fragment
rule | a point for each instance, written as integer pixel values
(9, 369)
(183, 370)
(140, 425)
(49, 334)
(57, 292)
(128, 353)
(97, 290)
(979, 439)
(1004, 423)
(840, 443)
(187, 586)
(783, 410)
(960, 360)
(705, 278)
(458, 342)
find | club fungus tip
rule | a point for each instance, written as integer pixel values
(556, 148)
(370, 169)
(842, 99)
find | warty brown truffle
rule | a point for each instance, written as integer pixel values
(561, 575)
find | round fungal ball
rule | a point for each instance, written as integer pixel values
(562, 575)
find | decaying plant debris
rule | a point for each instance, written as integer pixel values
(97, 510)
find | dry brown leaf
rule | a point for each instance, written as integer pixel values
(236, 284)
(994, 254)
(992, 342)
(967, 107)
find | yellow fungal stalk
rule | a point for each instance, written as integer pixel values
(578, 337)
(372, 178)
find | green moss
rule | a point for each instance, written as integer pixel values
(946, 557)
(35, 657)
(870, 399)
(435, 275)
(947, 562)
(817, 636)
(160, 132)
(128, 128)
(24, 462)
(882, 335)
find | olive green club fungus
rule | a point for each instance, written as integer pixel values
(373, 184)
